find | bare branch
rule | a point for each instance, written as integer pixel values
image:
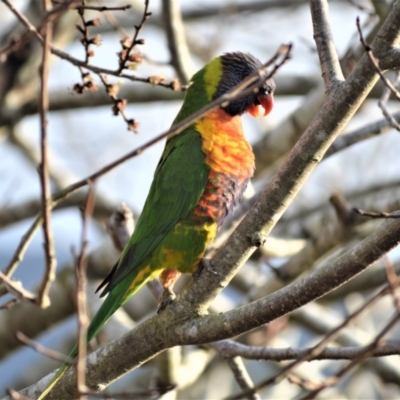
(366, 132)
(393, 280)
(383, 101)
(30, 208)
(103, 8)
(125, 55)
(242, 377)
(330, 66)
(51, 262)
(15, 288)
(238, 368)
(23, 245)
(43, 350)
(375, 63)
(232, 348)
(83, 320)
(376, 215)
(177, 44)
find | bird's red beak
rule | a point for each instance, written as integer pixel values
(266, 102)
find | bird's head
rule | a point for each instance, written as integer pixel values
(227, 71)
(221, 75)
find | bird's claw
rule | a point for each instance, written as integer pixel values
(204, 264)
(165, 300)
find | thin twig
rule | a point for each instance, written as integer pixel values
(87, 80)
(241, 375)
(375, 63)
(51, 262)
(114, 22)
(237, 367)
(55, 355)
(368, 131)
(84, 30)
(104, 8)
(83, 320)
(382, 105)
(363, 213)
(124, 57)
(119, 103)
(393, 280)
(231, 348)
(15, 288)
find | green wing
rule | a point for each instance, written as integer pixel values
(178, 184)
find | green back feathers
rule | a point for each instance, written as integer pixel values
(178, 184)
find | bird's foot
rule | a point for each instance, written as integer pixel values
(165, 299)
(204, 264)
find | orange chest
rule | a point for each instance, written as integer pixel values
(231, 162)
(227, 150)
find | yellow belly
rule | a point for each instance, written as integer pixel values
(181, 249)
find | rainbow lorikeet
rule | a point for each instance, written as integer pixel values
(201, 176)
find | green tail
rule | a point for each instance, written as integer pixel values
(112, 302)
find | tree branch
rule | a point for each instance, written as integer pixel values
(232, 348)
(51, 262)
(176, 36)
(329, 60)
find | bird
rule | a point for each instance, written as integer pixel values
(200, 178)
